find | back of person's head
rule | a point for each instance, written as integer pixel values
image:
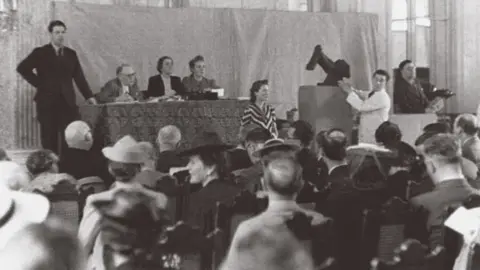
(258, 135)
(333, 144)
(78, 135)
(425, 136)
(149, 150)
(283, 126)
(269, 248)
(388, 134)
(123, 172)
(46, 246)
(41, 161)
(467, 123)
(169, 136)
(303, 132)
(13, 176)
(443, 148)
(439, 127)
(282, 174)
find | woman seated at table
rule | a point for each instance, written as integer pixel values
(197, 82)
(164, 84)
(259, 112)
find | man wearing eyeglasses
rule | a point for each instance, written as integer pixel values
(123, 88)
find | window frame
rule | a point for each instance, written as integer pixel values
(412, 23)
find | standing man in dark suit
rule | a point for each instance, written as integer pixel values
(55, 66)
(165, 85)
(409, 94)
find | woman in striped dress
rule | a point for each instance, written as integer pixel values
(259, 113)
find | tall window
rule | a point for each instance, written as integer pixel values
(411, 31)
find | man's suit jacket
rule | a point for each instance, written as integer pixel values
(113, 89)
(53, 77)
(451, 193)
(204, 202)
(409, 98)
(471, 150)
(277, 213)
(156, 88)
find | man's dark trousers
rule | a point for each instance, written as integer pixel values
(53, 121)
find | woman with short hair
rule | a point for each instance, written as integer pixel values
(164, 84)
(43, 166)
(197, 82)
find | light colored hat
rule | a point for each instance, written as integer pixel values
(126, 150)
(78, 135)
(13, 176)
(19, 209)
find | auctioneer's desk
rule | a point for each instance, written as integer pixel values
(110, 122)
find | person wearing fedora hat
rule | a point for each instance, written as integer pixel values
(126, 159)
(207, 167)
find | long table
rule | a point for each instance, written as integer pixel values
(110, 122)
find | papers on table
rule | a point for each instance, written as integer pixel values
(465, 222)
(220, 92)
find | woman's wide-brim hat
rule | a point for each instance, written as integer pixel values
(208, 141)
(363, 154)
(126, 150)
(277, 145)
(19, 209)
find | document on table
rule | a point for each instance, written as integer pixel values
(465, 222)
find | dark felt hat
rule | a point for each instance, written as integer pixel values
(207, 141)
(277, 144)
(130, 220)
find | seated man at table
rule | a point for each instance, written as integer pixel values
(123, 88)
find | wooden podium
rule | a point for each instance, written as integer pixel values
(412, 125)
(324, 107)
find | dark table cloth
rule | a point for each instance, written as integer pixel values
(110, 122)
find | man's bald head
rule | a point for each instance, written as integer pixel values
(169, 137)
(283, 174)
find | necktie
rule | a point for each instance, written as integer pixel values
(60, 52)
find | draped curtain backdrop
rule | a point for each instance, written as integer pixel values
(240, 46)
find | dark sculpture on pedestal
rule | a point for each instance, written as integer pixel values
(336, 71)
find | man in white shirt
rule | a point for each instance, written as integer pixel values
(123, 88)
(374, 109)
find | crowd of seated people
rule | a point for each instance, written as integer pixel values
(267, 203)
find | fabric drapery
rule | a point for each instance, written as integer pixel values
(240, 46)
